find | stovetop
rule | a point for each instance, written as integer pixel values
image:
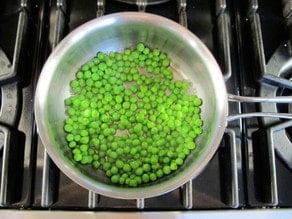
(252, 167)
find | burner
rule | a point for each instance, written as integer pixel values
(277, 82)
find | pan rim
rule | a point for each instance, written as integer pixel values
(109, 190)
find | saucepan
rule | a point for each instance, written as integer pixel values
(191, 60)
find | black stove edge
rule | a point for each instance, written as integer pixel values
(257, 213)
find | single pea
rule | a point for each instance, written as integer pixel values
(198, 131)
(154, 130)
(127, 51)
(103, 147)
(136, 142)
(134, 164)
(198, 122)
(98, 84)
(102, 66)
(96, 164)
(140, 47)
(159, 173)
(148, 62)
(166, 160)
(105, 118)
(83, 147)
(76, 151)
(72, 144)
(107, 87)
(106, 166)
(70, 137)
(135, 55)
(96, 157)
(108, 131)
(122, 180)
(115, 178)
(126, 105)
(191, 145)
(155, 166)
(152, 176)
(133, 107)
(77, 138)
(77, 157)
(133, 183)
(138, 179)
(114, 170)
(68, 128)
(197, 101)
(118, 56)
(146, 51)
(120, 151)
(100, 55)
(156, 52)
(154, 159)
(68, 101)
(146, 167)
(166, 170)
(173, 166)
(84, 139)
(119, 164)
(127, 167)
(108, 173)
(74, 84)
(85, 67)
(113, 154)
(79, 74)
(138, 127)
(119, 99)
(139, 171)
(145, 178)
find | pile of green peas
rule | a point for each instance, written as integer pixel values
(129, 117)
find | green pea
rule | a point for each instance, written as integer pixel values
(127, 168)
(159, 173)
(152, 176)
(146, 167)
(68, 128)
(166, 170)
(115, 178)
(96, 164)
(77, 157)
(70, 137)
(140, 47)
(139, 171)
(119, 164)
(145, 178)
(72, 144)
(114, 93)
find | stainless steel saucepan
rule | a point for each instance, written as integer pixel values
(191, 61)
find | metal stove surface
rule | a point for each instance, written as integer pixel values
(241, 175)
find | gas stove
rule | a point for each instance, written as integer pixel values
(252, 168)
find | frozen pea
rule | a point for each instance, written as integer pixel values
(128, 117)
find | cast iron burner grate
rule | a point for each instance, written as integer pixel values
(285, 108)
(182, 197)
(30, 180)
(265, 33)
(276, 81)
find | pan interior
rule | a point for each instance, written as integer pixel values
(190, 61)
